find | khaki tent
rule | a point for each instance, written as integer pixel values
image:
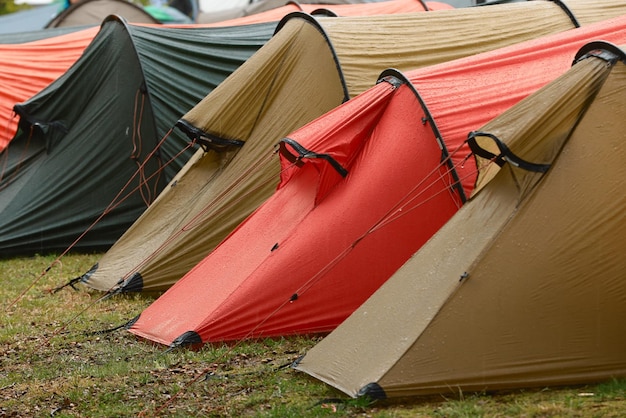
(524, 286)
(308, 67)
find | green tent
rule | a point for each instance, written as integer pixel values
(83, 137)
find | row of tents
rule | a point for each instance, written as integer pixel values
(77, 13)
(461, 205)
(166, 71)
(33, 60)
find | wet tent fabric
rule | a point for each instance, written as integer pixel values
(85, 136)
(362, 188)
(27, 68)
(216, 191)
(524, 286)
(35, 35)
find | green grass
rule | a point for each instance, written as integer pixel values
(51, 366)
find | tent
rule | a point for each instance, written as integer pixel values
(85, 136)
(524, 286)
(216, 191)
(93, 12)
(362, 188)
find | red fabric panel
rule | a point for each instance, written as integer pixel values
(340, 134)
(356, 9)
(468, 93)
(246, 283)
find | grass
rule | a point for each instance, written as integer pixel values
(50, 365)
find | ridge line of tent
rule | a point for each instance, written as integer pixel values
(311, 19)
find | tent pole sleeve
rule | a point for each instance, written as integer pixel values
(567, 11)
(396, 77)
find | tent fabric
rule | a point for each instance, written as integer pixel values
(27, 68)
(366, 187)
(293, 52)
(76, 151)
(93, 12)
(214, 192)
(35, 35)
(523, 287)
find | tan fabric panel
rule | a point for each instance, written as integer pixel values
(366, 45)
(501, 295)
(545, 304)
(587, 12)
(157, 226)
(297, 56)
(263, 100)
(516, 124)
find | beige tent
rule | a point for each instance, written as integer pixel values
(93, 12)
(525, 285)
(309, 67)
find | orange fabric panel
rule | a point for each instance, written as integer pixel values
(27, 68)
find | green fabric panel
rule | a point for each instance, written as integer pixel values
(84, 122)
(85, 129)
(182, 66)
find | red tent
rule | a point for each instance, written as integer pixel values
(362, 188)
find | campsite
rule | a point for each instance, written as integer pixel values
(51, 371)
(386, 208)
